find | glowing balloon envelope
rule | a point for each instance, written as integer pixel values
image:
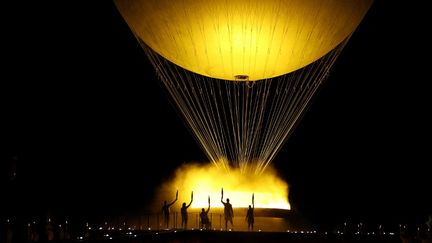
(258, 39)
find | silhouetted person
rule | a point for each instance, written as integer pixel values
(428, 238)
(166, 211)
(429, 223)
(228, 212)
(9, 231)
(49, 230)
(61, 233)
(204, 219)
(184, 214)
(250, 215)
(424, 231)
(405, 235)
(33, 235)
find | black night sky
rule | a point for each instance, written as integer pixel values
(94, 132)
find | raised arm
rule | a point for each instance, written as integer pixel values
(174, 199)
(222, 197)
(253, 200)
(190, 201)
(208, 209)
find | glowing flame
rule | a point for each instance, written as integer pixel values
(270, 191)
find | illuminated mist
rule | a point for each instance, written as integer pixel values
(207, 180)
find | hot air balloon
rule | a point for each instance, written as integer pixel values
(242, 72)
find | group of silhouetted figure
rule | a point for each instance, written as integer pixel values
(14, 231)
(204, 219)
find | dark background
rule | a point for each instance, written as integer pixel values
(89, 131)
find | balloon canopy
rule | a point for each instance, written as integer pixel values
(242, 39)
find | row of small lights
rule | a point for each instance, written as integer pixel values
(34, 222)
(134, 227)
(367, 233)
(288, 231)
(301, 232)
(110, 237)
(259, 230)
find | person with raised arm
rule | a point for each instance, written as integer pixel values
(205, 222)
(184, 214)
(228, 211)
(166, 211)
(250, 214)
